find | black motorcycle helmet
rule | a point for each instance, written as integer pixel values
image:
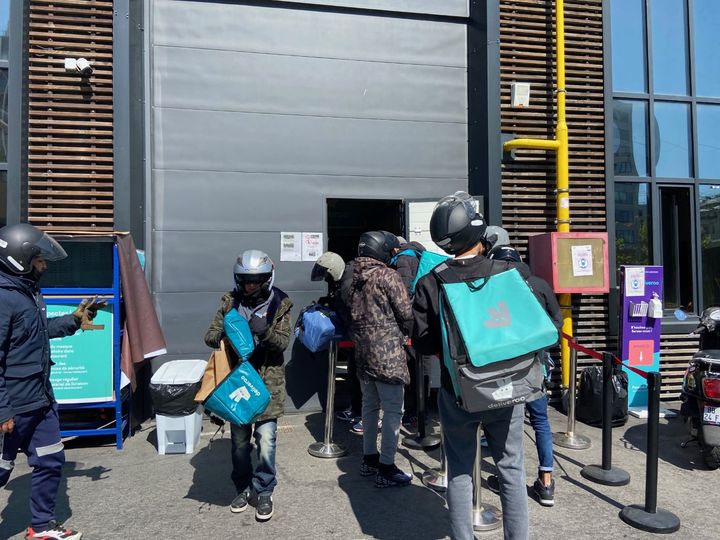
(504, 253)
(22, 243)
(455, 225)
(378, 245)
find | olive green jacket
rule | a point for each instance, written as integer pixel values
(268, 357)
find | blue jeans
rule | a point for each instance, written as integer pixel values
(36, 434)
(263, 478)
(388, 397)
(543, 435)
(504, 431)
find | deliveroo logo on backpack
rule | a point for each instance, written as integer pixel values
(499, 316)
(503, 392)
(242, 392)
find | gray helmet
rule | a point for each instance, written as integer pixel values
(21, 243)
(254, 266)
(328, 264)
(497, 236)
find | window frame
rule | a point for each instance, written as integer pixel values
(695, 181)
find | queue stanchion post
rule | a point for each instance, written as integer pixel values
(436, 479)
(606, 474)
(570, 439)
(327, 448)
(421, 441)
(649, 517)
(486, 517)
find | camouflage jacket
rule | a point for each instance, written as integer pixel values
(381, 314)
(268, 357)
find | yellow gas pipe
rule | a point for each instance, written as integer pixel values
(561, 147)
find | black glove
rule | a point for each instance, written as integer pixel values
(258, 325)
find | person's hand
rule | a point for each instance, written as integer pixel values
(88, 308)
(258, 325)
(7, 426)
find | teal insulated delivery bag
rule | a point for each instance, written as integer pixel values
(238, 332)
(492, 330)
(241, 397)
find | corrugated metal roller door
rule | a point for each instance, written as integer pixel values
(259, 113)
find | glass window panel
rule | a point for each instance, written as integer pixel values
(708, 126)
(630, 138)
(706, 20)
(628, 46)
(710, 243)
(4, 26)
(3, 198)
(3, 114)
(672, 151)
(632, 224)
(677, 220)
(669, 47)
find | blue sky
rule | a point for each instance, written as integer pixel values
(4, 15)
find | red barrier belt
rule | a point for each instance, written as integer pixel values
(346, 344)
(594, 354)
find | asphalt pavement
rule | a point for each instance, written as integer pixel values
(136, 493)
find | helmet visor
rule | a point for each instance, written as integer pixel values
(318, 273)
(50, 250)
(242, 279)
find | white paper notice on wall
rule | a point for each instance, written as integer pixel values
(582, 260)
(290, 246)
(635, 281)
(312, 246)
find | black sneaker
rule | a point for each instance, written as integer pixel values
(369, 465)
(493, 483)
(391, 476)
(240, 503)
(264, 508)
(545, 494)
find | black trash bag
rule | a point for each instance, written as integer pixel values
(174, 399)
(588, 404)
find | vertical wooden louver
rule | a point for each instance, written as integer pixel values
(527, 48)
(70, 116)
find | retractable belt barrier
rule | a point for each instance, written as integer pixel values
(327, 448)
(648, 517)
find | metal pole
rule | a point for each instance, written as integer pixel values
(328, 449)
(570, 439)
(650, 517)
(486, 517)
(421, 441)
(606, 474)
(437, 478)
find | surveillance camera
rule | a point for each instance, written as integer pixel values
(84, 67)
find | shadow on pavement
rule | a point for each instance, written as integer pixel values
(211, 484)
(15, 517)
(388, 514)
(672, 435)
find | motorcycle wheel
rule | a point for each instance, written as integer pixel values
(711, 455)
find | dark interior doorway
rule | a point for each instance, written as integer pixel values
(349, 218)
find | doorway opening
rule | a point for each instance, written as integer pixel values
(347, 219)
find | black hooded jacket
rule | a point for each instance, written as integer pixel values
(25, 334)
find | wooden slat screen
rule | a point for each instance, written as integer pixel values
(70, 117)
(527, 33)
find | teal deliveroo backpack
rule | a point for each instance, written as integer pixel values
(427, 261)
(242, 396)
(492, 331)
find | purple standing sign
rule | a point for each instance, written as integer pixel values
(641, 317)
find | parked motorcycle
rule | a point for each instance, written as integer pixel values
(701, 389)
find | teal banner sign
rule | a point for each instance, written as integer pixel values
(83, 370)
